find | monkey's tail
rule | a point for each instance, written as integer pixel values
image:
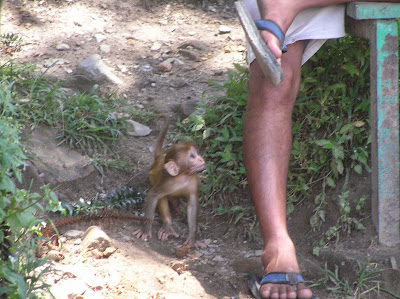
(105, 214)
(161, 137)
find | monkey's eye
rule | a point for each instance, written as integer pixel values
(192, 155)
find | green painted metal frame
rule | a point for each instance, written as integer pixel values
(377, 23)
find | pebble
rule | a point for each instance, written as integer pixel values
(62, 47)
(73, 234)
(224, 29)
(105, 48)
(218, 258)
(138, 130)
(99, 37)
(156, 46)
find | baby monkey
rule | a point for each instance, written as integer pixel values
(173, 175)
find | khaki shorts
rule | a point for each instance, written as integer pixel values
(314, 25)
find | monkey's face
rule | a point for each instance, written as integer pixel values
(195, 161)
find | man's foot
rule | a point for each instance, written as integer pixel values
(280, 256)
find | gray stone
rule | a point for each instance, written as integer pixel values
(70, 288)
(99, 37)
(224, 29)
(73, 234)
(137, 129)
(188, 107)
(97, 243)
(62, 47)
(85, 273)
(96, 70)
(105, 48)
(55, 164)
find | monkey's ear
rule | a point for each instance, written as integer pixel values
(172, 168)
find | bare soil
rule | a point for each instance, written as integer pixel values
(137, 37)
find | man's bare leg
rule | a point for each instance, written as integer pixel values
(267, 146)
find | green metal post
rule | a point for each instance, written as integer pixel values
(377, 22)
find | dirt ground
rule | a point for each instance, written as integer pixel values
(133, 37)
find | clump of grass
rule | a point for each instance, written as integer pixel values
(368, 283)
(85, 121)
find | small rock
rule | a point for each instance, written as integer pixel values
(105, 48)
(218, 258)
(95, 69)
(182, 251)
(211, 8)
(196, 44)
(90, 294)
(207, 241)
(138, 130)
(73, 234)
(97, 242)
(156, 46)
(55, 255)
(125, 238)
(224, 29)
(62, 47)
(99, 37)
(123, 68)
(84, 273)
(166, 66)
(190, 54)
(179, 267)
(70, 288)
(188, 107)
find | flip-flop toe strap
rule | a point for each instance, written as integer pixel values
(292, 279)
(272, 27)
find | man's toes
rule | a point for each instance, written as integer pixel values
(303, 291)
(284, 292)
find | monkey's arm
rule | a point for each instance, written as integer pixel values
(192, 211)
(149, 211)
(166, 229)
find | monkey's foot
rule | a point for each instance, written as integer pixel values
(195, 243)
(140, 234)
(165, 231)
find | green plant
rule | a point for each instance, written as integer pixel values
(85, 121)
(331, 281)
(20, 211)
(367, 282)
(10, 42)
(330, 127)
(120, 198)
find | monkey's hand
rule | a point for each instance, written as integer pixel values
(196, 243)
(165, 231)
(143, 234)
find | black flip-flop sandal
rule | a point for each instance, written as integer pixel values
(292, 279)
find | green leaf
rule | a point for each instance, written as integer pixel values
(330, 182)
(358, 169)
(324, 143)
(346, 128)
(16, 279)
